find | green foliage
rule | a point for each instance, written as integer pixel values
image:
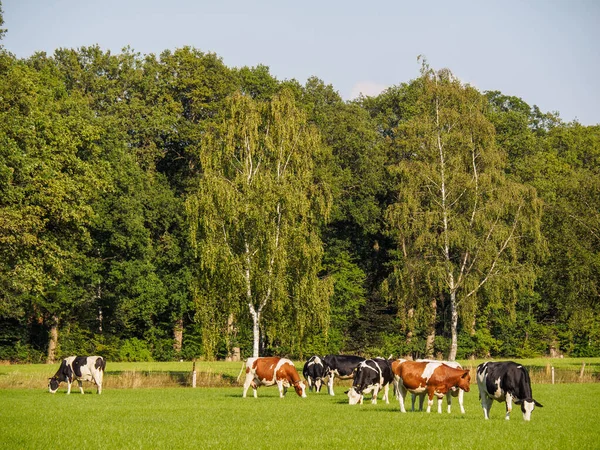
(134, 350)
(140, 194)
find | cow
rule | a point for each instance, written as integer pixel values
(505, 382)
(271, 370)
(453, 392)
(341, 365)
(371, 375)
(433, 378)
(80, 368)
(314, 372)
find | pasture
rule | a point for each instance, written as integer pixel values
(217, 417)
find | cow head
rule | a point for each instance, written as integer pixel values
(354, 397)
(300, 388)
(464, 381)
(53, 384)
(527, 406)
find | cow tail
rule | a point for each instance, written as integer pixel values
(241, 371)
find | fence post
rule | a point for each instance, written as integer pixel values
(581, 372)
(552, 374)
(194, 374)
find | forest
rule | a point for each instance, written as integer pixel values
(166, 207)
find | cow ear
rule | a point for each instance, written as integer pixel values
(346, 392)
(467, 372)
(539, 405)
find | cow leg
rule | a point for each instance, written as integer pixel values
(386, 393)
(461, 395)
(247, 383)
(421, 401)
(68, 386)
(449, 400)
(402, 396)
(98, 380)
(318, 383)
(486, 404)
(330, 384)
(430, 395)
(429, 403)
(80, 386)
(375, 393)
(413, 397)
(280, 387)
(508, 406)
(440, 400)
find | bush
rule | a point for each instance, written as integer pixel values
(134, 350)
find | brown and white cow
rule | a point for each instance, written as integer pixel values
(433, 378)
(268, 371)
(454, 392)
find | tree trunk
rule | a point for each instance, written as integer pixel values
(178, 335)
(410, 333)
(453, 327)
(233, 353)
(53, 343)
(255, 331)
(430, 342)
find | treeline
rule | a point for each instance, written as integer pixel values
(162, 207)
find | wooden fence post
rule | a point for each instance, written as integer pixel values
(194, 374)
(552, 374)
(581, 372)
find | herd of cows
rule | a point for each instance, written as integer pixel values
(501, 381)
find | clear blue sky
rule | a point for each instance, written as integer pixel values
(546, 51)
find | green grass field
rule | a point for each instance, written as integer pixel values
(220, 418)
(138, 409)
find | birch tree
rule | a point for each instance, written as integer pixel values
(460, 223)
(254, 218)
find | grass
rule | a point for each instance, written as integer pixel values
(219, 418)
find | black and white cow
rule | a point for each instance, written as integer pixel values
(314, 372)
(371, 376)
(80, 368)
(505, 381)
(342, 366)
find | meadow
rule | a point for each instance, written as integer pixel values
(217, 417)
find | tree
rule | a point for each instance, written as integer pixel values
(255, 214)
(2, 30)
(460, 223)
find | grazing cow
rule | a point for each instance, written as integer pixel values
(371, 375)
(80, 368)
(341, 365)
(433, 378)
(453, 392)
(505, 381)
(272, 370)
(314, 372)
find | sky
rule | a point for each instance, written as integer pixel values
(546, 52)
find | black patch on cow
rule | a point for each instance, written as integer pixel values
(65, 372)
(78, 362)
(100, 363)
(344, 364)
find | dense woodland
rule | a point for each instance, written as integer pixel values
(168, 206)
